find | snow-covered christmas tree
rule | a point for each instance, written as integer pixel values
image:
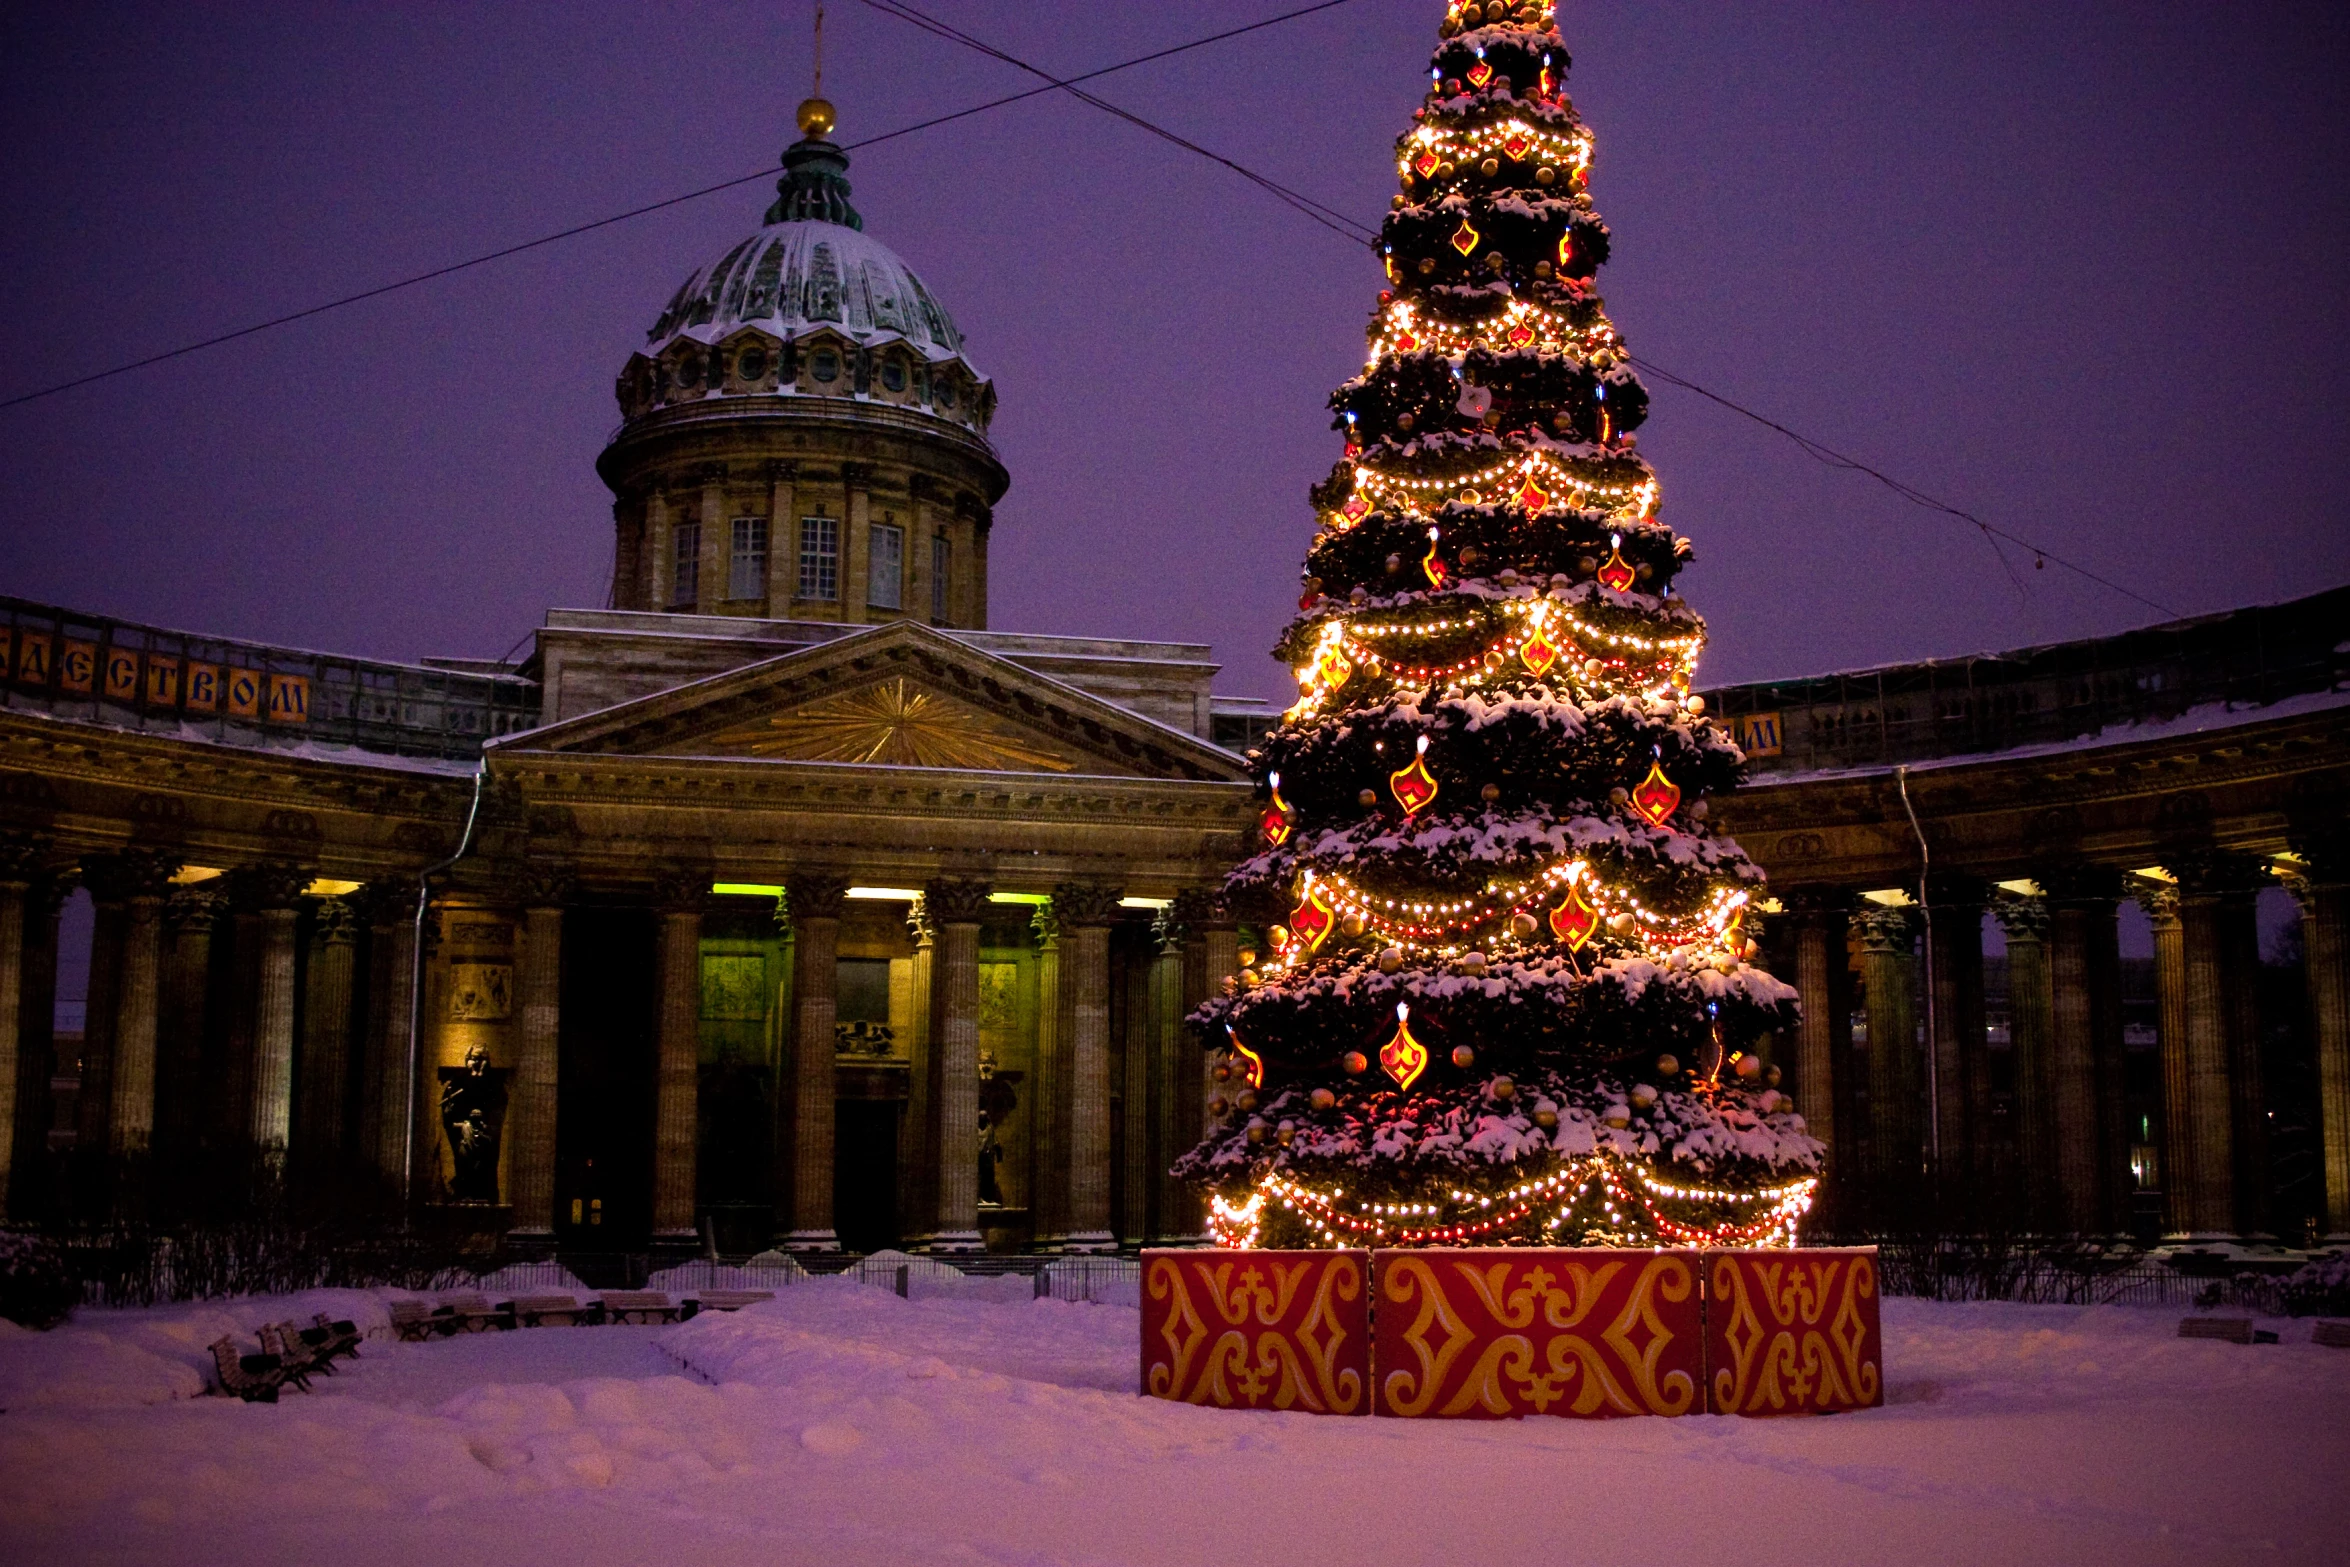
(1510, 999)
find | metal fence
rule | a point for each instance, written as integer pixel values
(1099, 1279)
(95, 669)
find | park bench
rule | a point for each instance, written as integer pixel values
(532, 1311)
(473, 1314)
(342, 1338)
(2334, 1335)
(293, 1359)
(253, 1378)
(638, 1306)
(2235, 1330)
(724, 1300)
(414, 1321)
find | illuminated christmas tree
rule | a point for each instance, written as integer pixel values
(1510, 1000)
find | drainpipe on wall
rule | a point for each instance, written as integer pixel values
(481, 780)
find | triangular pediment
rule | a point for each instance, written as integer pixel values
(899, 695)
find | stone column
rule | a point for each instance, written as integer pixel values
(717, 539)
(2081, 903)
(2247, 1079)
(917, 1145)
(856, 479)
(660, 549)
(181, 1091)
(19, 857)
(391, 990)
(2030, 1017)
(1048, 1178)
(1131, 1065)
(815, 914)
(131, 1120)
(1823, 1038)
(680, 896)
(94, 1097)
(956, 907)
(783, 537)
(538, 1037)
(276, 890)
(2205, 1203)
(1887, 936)
(326, 1035)
(26, 1176)
(1085, 913)
(2160, 900)
(2325, 945)
(1962, 1083)
(1171, 1218)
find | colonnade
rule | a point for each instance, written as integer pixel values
(1916, 1112)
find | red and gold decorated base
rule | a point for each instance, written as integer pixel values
(1258, 1329)
(1489, 1334)
(1793, 1332)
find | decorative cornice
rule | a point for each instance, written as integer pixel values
(1083, 903)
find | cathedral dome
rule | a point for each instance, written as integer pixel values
(809, 306)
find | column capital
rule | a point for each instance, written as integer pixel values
(781, 470)
(1816, 902)
(336, 923)
(921, 923)
(2022, 917)
(266, 885)
(955, 900)
(388, 901)
(2079, 883)
(2217, 874)
(710, 473)
(816, 895)
(1886, 927)
(1202, 908)
(547, 886)
(2160, 899)
(21, 856)
(193, 909)
(130, 874)
(48, 894)
(856, 475)
(680, 889)
(1081, 903)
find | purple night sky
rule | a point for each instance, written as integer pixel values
(2079, 267)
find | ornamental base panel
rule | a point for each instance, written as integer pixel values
(1793, 1332)
(1495, 1333)
(1498, 1333)
(1258, 1329)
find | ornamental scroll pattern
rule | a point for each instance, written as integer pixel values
(1492, 1335)
(1793, 1332)
(1258, 1329)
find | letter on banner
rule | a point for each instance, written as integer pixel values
(243, 689)
(77, 667)
(289, 699)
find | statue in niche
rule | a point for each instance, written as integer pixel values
(473, 1116)
(996, 1101)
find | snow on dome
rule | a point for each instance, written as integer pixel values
(795, 277)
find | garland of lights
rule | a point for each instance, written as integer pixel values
(1631, 1192)
(1340, 649)
(1410, 495)
(1521, 324)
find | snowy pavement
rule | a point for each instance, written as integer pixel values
(840, 1424)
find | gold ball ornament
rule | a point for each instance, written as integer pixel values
(1223, 1071)
(1322, 1099)
(1390, 960)
(1247, 1099)
(1546, 1114)
(1750, 1067)
(1668, 1066)
(1286, 1133)
(1771, 1076)
(1249, 976)
(816, 118)
(1523, 925)
(1490, 793)
(1218, 1105)
(1356, 1063)
(1247, 955)
(1353, 925)
(1546, 175)
(1490, 167)
(1618, 1116)
(1367, 798)
(1256, 1130)
(1463, 1057)
(1503, 1089)
(1643, 1096)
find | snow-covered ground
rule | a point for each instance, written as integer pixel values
(841, 1424)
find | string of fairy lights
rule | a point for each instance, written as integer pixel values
(1627, 1198)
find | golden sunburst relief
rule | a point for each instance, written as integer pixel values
(894, 723)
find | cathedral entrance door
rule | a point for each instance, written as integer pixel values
(865, 1173)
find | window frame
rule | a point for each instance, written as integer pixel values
(685, 563)
(895, 577)
(755, 529)
(819, 559)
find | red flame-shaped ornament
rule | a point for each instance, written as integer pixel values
(1480, 73)
(1617, 573)
(1414, 786)
(1657, 796)
(1538, 652)
(1276, 824)
(1252, 1070)
(1464, 238)
(1403, 1057)
(1310, 923)
(1531, 497)
(1574, 920)
(1357, 507)
(1516, 143)
(1426, 163)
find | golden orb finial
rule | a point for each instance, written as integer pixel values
(816, 118)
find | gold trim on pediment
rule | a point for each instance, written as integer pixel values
(892, 723)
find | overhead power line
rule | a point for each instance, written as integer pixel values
(1338, 222)
(578, 229)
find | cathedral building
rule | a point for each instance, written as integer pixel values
(786, 902)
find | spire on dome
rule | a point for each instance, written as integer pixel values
(815, 186)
